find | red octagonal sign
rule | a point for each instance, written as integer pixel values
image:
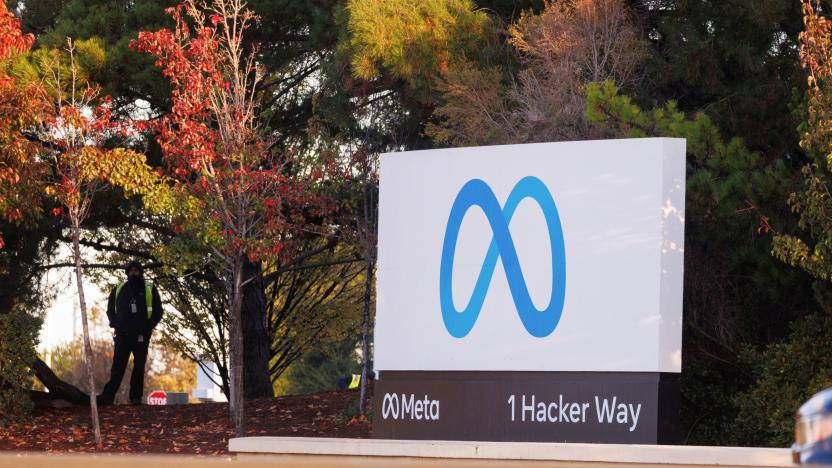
(157, 398)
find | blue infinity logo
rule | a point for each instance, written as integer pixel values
(539, 323)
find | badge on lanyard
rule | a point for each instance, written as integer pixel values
(133, 307)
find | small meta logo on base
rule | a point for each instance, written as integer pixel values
(539, 323)
(157, 398)
(396, 406)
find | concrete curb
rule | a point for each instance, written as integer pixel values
(592, 453)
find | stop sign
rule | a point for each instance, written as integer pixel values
(157, 398)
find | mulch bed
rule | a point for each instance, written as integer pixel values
(188, 429)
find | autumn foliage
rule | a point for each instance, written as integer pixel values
(217, 151)
(18, 175)
(54, 129)
(812, 201)
(197, 429)
(560, 51)
(213, 143)
(816, 58)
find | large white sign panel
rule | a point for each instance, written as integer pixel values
(540, 257)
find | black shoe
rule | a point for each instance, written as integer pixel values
(101, 400)
(136, 402)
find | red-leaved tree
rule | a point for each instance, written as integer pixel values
(54, 130)
(218, 152)
(20, 171)
(73, 128)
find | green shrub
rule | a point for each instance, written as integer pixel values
(785, 375)
(319, 369)
(18, 338)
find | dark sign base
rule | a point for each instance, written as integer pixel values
(591, 407)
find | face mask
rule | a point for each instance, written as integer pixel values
(134, 279)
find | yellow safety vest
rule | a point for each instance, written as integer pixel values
(356, 381)
(148, 296)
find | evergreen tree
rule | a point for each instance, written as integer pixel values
(735, 60)
(737, 296)
(321, 368)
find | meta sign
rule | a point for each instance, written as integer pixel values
(531, 292)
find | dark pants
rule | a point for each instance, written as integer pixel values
(125, 345)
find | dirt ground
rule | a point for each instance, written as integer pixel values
(187, 429)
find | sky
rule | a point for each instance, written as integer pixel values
(62, 322)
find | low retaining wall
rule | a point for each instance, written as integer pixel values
(508, 453)
(272, 452)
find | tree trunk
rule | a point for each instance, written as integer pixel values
(79, 275)
(235, 293)
(256, 379)
(370, 240)
(48, 400)
(57, 387)
(365, 336)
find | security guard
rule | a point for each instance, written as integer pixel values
(134, 310)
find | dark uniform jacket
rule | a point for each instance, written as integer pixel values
(128, 313)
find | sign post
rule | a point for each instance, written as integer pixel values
(531, 292)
